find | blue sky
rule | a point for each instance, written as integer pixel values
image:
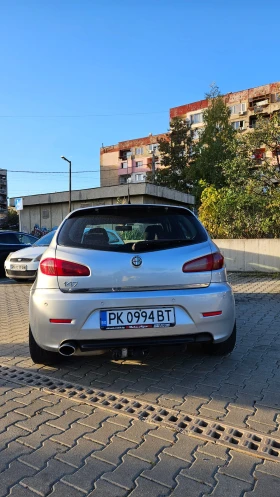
(79, 73)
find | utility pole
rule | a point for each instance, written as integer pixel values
(153, 164)
(70, 180)
(154, 158)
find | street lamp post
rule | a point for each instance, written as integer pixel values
(70, 178)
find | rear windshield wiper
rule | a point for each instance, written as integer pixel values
(150, 244)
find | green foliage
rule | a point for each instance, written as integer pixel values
(175, 155)
(216, 142)
(237, 190)
(134, 234)
(246, 203)
(12, 221)
(243, 166)
(121, 200)
(240, 212)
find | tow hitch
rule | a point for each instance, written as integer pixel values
(124, 353)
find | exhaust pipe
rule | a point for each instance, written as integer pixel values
(67, 349)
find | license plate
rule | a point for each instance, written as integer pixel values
(123, 319)
(18, 267)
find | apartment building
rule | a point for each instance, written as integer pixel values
(129, 161)
(244, 106)
(3, 196)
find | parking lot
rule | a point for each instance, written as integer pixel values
(177, 422)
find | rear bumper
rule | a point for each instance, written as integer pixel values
(84, 311)
(91, 345)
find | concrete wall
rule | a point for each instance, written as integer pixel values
(109, 166)
(260, 255)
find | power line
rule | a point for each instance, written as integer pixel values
(51, 172)
(105, 169)
(80, 115)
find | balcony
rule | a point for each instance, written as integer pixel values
(258, 104)
(124, 154)
(259, 154)
(123, 180)
(132, 166)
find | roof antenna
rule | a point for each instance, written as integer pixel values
(128, 194)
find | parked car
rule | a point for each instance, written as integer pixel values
(23, 264)
(10, 241)
(165, 286)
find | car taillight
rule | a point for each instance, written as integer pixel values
(208, 262)
(58, 267)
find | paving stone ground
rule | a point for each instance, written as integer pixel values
(50, 445)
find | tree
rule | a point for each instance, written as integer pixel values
(238, 213)
(256, 156)
(175, 157)
(249, 205)
(12, 221)
(215, 144)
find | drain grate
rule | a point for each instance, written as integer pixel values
(259, 445)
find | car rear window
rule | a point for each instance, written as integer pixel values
(129, 228)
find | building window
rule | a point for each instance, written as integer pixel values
(238, 125)
(139, 177)
(124, 180)
(237, 108)
(275, 97)
(153, 147)
(139, 151)
(139, 163)
(252, 121)
(124, 165)
(197, 118)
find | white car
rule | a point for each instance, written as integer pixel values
(23, 264)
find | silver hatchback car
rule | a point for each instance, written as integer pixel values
(163, 283)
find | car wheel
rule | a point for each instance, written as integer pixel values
(39, 355)
(223, 348)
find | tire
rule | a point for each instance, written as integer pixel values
(223, 348)
(39, 355)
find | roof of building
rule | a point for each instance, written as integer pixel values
(137, 142)
(106, 192)
(230, 98)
